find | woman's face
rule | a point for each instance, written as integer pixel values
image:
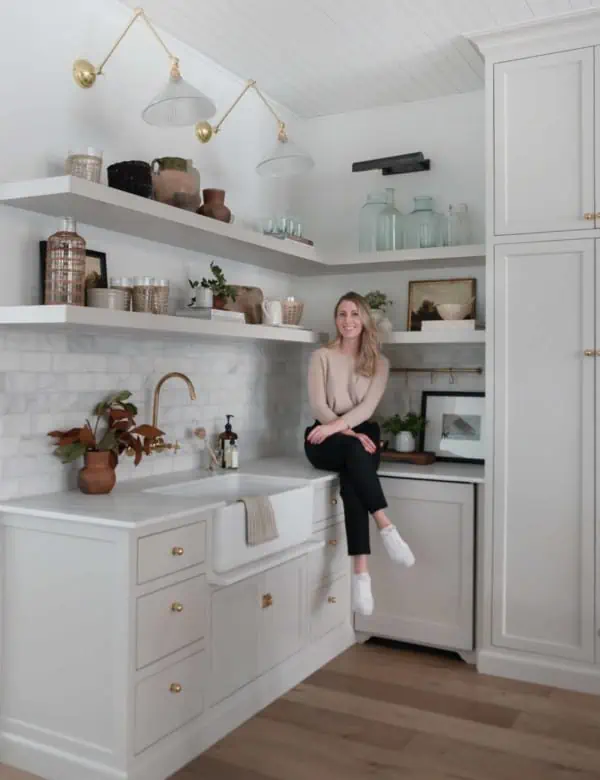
(347, 320)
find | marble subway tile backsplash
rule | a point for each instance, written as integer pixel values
(53, 380)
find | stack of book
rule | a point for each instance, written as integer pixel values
(217, 315)
(437, 325)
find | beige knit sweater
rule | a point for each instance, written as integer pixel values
(336, 390)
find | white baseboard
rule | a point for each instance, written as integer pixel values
(584, 678)
(171, 753)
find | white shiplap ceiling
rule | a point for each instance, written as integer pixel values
(321, 57)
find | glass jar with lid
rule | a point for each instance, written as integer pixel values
(368, 220)
(64, 277)
(424, 226)
(390, 228)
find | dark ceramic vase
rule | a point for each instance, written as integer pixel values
(214, 205)
(134, 176)
(98, 474)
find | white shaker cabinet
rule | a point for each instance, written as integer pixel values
(544, 143)
(432, 602)
(544, 417)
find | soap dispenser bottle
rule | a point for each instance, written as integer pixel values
(226, 440)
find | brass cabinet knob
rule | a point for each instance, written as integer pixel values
(589, 215)
(267, 601)
(591, 352)
(177, 551)
(175, 688)
(332, 542)
(176, 606)
(332, 600)
(334, 501)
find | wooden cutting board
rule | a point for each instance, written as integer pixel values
(248, 300)
(417, 458)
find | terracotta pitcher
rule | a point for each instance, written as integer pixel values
(214, 205)
(176, 182)
(98, 474)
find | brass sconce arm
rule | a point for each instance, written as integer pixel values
(205, 131)
(85, 73)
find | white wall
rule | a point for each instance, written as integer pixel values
(449, 131)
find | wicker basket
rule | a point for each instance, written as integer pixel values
(292, 311)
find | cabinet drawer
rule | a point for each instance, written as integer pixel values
(170, 551)
(328, 503)
(331, 561)
(167, 700)
(329, 607)
(170, 619)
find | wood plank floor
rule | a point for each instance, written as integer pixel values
(389, 713)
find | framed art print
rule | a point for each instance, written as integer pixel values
(95, 269)
(425, 295)
(455, 429)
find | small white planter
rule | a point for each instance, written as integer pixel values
(204, 298)
(404, 442)
(384, 326)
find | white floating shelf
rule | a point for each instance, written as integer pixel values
(84, 318)
(436, 337)
(393, 260)
(121, 212)
(111, 209)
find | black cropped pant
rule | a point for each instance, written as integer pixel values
(360, 487)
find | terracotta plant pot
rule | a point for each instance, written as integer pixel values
(219, 302)
(176, 182)
(98, 474)
(214, 205)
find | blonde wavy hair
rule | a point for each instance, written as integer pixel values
(369, 349)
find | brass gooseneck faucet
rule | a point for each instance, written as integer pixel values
(159, 444)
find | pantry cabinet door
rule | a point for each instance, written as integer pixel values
(430, 603)
(544, 440)
(544, 143)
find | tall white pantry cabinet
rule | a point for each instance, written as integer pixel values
(542, 524)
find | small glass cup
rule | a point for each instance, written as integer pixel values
(85, 163)
(160, 297)
(143, 293)
(125, 284)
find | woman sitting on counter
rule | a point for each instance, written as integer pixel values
(346, 382)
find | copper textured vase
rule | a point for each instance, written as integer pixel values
(214, 205)
(98, 474)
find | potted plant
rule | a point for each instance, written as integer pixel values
(114, 432)
(378, 303)
(405, 430)
(218, 286)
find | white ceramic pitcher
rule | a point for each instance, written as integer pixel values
(272, 312)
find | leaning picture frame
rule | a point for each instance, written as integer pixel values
(425, 295)
(455, 429)
(96, 274)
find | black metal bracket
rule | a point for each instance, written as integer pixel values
(389, 166)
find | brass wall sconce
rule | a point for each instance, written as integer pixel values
(286, 159)
(178, 104)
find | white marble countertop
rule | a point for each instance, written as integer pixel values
(130, 506)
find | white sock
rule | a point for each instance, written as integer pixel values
(396, 547)
(362, 598)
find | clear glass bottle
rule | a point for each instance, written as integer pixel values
(367, 221)
(390, 228)
(458, 230)
(64, 278)
(424, 226)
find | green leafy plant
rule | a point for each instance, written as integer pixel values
(218, 284)
(377, 300)
(413, 423)
(114, 431)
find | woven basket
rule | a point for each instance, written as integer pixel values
(292, 312)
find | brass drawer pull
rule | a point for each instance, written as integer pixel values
(177, 551)
(175, 688)
(176, 606)
(332, 600)
(267, 600)
(332, 542)
(589, 215)
(590, 352)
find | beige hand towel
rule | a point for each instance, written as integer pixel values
(260, 520)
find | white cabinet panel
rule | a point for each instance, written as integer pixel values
(432, 602)
(543, 536)
(544, 143)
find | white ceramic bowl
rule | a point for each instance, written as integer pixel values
(102, 298)
(453, 311)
